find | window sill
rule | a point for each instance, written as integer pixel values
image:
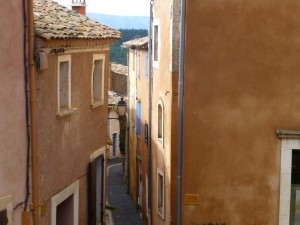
(156, 64)
(96, 104)
(159, 212)
(160, 141)
(65, 112)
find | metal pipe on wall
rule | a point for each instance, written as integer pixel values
(180, 111)
(32, 92)
(149, 115)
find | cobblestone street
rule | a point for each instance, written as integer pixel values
(125, 212)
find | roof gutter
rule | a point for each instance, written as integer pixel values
(32, 93)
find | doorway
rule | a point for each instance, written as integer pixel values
(140, 185)
(114, 144)
(96, 191)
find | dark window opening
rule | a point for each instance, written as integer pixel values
(65, 212)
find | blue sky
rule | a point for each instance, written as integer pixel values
(115, 7)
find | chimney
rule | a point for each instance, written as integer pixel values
(79, 6)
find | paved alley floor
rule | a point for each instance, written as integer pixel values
(125, 212)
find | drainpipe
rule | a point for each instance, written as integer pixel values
(32, 92)
(149, 115)
(180, 111)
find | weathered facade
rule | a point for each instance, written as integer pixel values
(118, 79)
(165, 46)
(72, 86)
(240, 87)
(13, 136)
(138, 104)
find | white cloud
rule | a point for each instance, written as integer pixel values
(115, 7)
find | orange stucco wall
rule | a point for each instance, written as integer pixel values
(132, 126)
(138, 82)
(142, 147)
(241, 84)
(12, 108)
(164, 93)
(66, 144)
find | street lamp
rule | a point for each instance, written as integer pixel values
(121, 106)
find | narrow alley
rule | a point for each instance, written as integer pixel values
(124, 210)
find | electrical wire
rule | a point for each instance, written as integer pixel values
(26, 106)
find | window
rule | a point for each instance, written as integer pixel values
(156, 44)
(65, 212)
(64, 82)
(138, 64)
(147, 65)
(146, 133)
(160, 123)
(160, 192)
(138, 118)
(98, 80)
(64, 85)
(133, 60)
(295, 191)
(6, 210)
(132, 113)
(65, 206)
(289, 178)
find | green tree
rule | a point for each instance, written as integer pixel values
(119, 55)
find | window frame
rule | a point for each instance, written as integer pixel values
(294, 189)
(160, 139)
(138, 118)
(97, 102)
(139, 64)
(63, 111)
(133, 60)
(290, 140)
(160, 209)
(57, 199)
(155, 63)
(147, 64)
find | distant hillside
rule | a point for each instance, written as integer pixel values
(119, 55)
(121, 22)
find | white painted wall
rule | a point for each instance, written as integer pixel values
(113, 127)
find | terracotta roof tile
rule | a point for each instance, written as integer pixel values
(140, 42)
(114, 98)
(119, 68)
(54, 21)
